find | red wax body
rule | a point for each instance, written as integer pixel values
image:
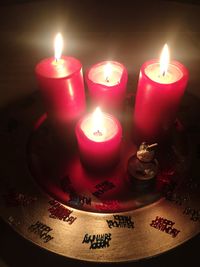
(99, 155)
(157, 103)
(62, 88)
(109, 96)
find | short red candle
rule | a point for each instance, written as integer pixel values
(158, 99)
(61, 82)
(99, 140)
(106, 82)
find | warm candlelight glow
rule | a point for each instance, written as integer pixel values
(58, 46)
(107, 71)
(164, 60)
(97, 122)
(99, 137)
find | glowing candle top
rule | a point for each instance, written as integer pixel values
(99, 126)
(107, 73)
(163, 71)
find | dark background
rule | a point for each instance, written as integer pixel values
(128, 31)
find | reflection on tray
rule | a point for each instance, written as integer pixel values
(60, 173)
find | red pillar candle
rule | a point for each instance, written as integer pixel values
(106, 82)
(160, 88)
(61, 82)
(99, 138)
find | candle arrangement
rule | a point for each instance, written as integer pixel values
(160, 88)
(120, 173)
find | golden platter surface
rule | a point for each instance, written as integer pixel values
(97, 221)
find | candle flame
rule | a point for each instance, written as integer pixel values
(107, 71)
(164, 60)
(97, 121)
(58, 46)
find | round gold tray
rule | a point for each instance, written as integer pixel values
(89, 217)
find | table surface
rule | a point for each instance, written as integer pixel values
(130, 32)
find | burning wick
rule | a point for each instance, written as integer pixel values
(107, 79)
(97, 122)
(97, 133)
(164, 60)
(58, 47)
(107, 72)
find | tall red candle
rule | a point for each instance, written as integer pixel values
(106, 82)
(99, 139)
(158, 97)
(61, 82)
